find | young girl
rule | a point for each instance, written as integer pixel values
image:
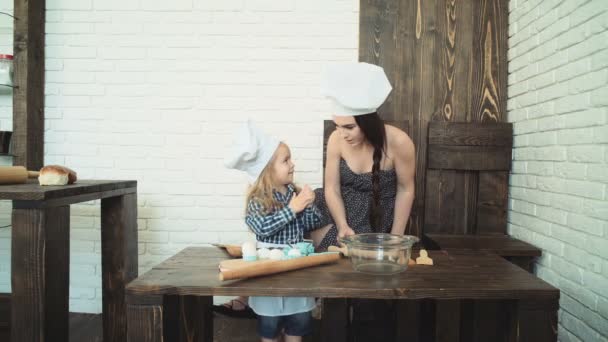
(279, 214)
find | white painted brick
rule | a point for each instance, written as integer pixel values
(589, 81)
(589, 117)
(556, 153)
(551, 123)
(585, 223)
(551, 214)
(600, 134)
(541, 168)
(552, 92)
(585, 153)
(595, 208)
(587, 11)
(69, 5)
(599, 60)
(571, 170)
(573, 69)
(575, 136)
(598, 173)
(160, 5)
(544, 138)
(566, 202)
(567, 270)
(573, 103)
(589, 46)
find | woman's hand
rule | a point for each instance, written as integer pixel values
(345, 231)
(300, 201)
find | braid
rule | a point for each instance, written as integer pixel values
(373, 129)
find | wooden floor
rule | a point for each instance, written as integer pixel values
(87, 328)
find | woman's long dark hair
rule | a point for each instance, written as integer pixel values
(372, 127)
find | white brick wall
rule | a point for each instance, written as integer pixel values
(152, 90)
(558, 86)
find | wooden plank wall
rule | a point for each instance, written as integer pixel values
(28, 95)
(447, 61)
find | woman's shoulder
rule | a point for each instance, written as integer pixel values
(396, 136)
(398, 142)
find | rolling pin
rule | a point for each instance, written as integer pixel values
(16, 174)
(267, 268)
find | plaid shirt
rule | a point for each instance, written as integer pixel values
(281, 226)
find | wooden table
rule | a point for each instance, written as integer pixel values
(40, 255)
(476, 296)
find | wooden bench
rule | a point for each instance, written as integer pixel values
(466, 296)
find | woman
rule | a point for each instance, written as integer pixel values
(369, 178)
(370, 167)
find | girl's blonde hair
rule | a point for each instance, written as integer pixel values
(261, 190)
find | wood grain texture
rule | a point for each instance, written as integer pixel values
(118, 260)
(28, 94)
(40, 274)
(446, 61)
(335, 322)
(145, 323)
(32, 191)
(194, 272)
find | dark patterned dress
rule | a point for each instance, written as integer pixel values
(356, 189)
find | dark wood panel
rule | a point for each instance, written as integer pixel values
(40, 274)
(334, 322)
(486, 158)
(537, 320)
(28, 94)
(502, 245)
(145, 323)
(447, 323)
(471, 134)
(118, 261)
(445, 210)
(486, 276)
(489, 81)
(32, 191)
(492, 203)
(446, 61)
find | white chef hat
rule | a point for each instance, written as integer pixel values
(355, 88)
(252, 150)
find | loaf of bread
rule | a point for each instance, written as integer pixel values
(56, 175)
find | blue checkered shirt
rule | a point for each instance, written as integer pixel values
(281, 226)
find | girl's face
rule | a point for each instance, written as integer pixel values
(349, 130)
(282, 166)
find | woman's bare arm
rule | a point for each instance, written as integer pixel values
(333, 195)
(404, 153)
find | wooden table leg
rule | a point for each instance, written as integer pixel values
(40, 274)
(144, 318)
(535, 320)
(196, 318)
(118, 261)
(334, 322)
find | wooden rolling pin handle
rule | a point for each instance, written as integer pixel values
(343, 250)
(33, 174)
(278, 266)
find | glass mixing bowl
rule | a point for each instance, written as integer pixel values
(379, 253)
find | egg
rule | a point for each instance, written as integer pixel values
(276, 254)
(294, 253)
(263, 253)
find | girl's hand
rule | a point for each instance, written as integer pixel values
(300, 201)
(309, 193)
(345, 231)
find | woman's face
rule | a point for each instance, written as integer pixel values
(349, 130)
(282, 165)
